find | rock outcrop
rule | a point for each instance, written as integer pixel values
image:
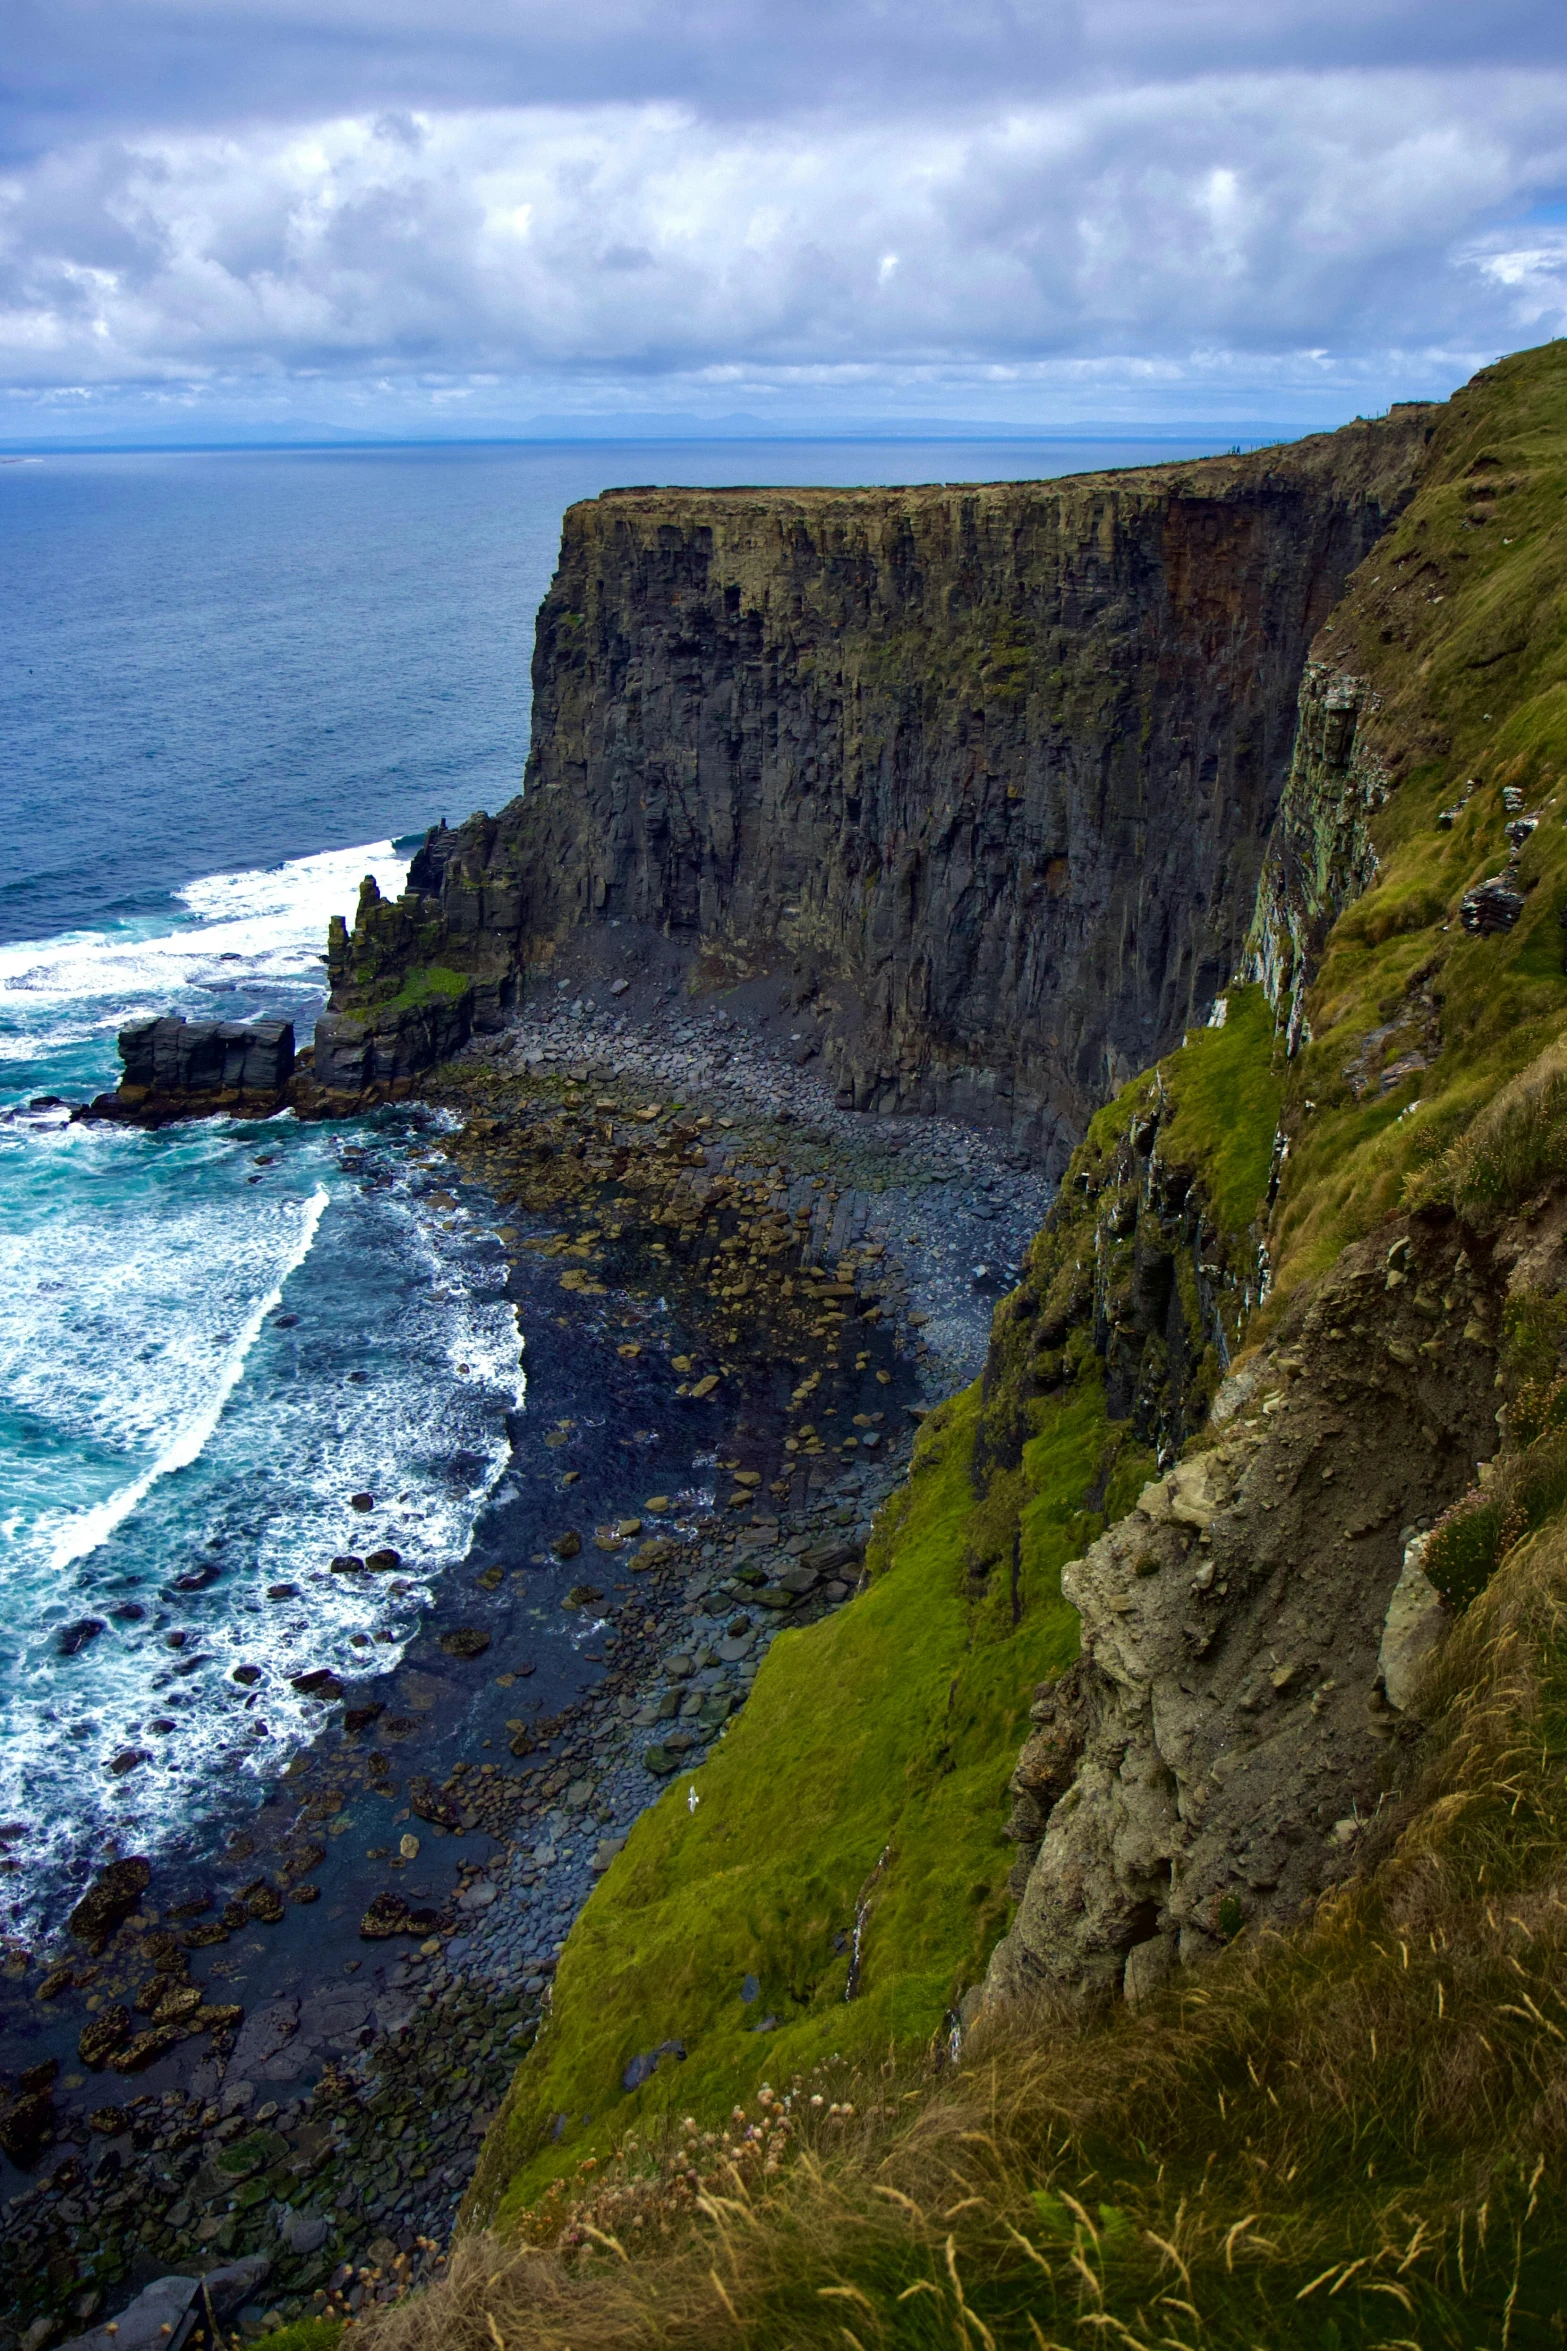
(994, 766)
(177, 1068)
(1231, 1712)
(1321, 856)
(396, 1006)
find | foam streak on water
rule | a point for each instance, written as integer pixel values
(84, 1531)
(211, 1339)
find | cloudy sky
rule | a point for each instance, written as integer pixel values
(425, 215)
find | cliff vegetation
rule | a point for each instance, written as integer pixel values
(1214, 1651)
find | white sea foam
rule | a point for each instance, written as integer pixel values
(88, 1528)
(264, 926)
(268, 1467)
(167, 1455)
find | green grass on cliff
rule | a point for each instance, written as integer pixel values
(1459, 621)
(889, 1729)
(893, 1727)
(870, 1762)
(426, 983)
(1351, 2138)
(1226, 1086)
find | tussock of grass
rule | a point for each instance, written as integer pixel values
(307, 2334)
(1351, 2136)
(1513, 1149)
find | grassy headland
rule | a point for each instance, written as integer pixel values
(1354, 2133)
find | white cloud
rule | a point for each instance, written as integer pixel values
(1190, 228)
(1531, 274)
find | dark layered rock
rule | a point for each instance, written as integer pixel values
(990, 768)
(397, 1004)
(178, 1068)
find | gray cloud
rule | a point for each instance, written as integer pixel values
(1006, 204)
(85, 65)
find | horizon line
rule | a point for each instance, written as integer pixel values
(349, 441)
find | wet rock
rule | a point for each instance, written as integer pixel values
(262, 2040)
(220, 2016)
(198, 1938)
(113, 1895)
(390, 1915)
(303, 2232)
(263, 1902)
(466, 1641)
(26, 2124)
(320, 1682)
(567, 1545)
(155, 2320)
(101, 2035)
(73, 1638)
(144, 2049)
(829, 1558)
(427, 1803)
(385, 1561)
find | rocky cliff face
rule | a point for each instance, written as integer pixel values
(1253, 1630)
(1228, 1734)
(177, 1068)
(994, 766)
(1320, 857)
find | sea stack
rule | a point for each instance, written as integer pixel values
(177, 1068)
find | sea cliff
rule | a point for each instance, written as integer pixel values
(1209, 1529)
(987, 771)
(1137, 1910)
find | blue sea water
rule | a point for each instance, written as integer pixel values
(231, 683)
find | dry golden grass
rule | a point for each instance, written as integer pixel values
(1355, 2134)
(1513, 1148)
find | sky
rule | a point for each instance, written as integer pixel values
(414, 217)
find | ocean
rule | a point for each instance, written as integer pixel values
(232, 683)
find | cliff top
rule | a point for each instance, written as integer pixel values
(1381, 444)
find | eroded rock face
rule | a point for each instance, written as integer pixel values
(1235, 1728)
(996, 764)
(176, 1068)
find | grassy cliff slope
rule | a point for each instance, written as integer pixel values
(1353, 2133)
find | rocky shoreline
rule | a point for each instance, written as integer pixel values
(734, 1296)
